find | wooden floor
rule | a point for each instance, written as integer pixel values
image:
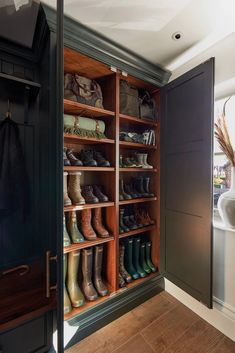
(162, 324)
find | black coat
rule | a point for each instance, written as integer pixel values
(13, 179)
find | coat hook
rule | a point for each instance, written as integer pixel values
(8, 113)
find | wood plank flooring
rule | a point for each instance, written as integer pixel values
(161, 324)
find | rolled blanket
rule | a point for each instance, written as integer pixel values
(82, 126)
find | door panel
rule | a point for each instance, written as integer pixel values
(186, 181)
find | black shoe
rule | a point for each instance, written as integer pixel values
(87, 158)
(101, 161)
(74, 161)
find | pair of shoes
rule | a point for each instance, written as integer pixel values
(138, 188)
(128, 220)
(92, 158)
(72, 189)
(93, 194)
(142, 216)
(139, 161)
(70, 159)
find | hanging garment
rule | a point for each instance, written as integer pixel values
(14, 194)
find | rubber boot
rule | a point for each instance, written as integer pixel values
(74, 232)
(74, 188)
(146, 165)
(122, 194)
(148, 256)
(140, 187)
(67, 303)
(129, 259)
(121, 281)
(139, 157)
(128, 223)
(146, 182)
(128, 189)
(67, 240)
(86, 226)
(143, 263)
(98, 282)
(67, 201)
(87, 285)
(136, 256)
(75, 293)
(98, 224)
(122, 270)
(123, 228)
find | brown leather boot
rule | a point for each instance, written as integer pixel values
(98, 282)
(87, 193)
(87, 285)
(67, 201)
(74, 188)
(98, 225)
(86, 226)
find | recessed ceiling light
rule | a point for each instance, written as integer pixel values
(176, 36)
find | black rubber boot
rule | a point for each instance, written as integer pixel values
(136, 256)
(148, 246)
(138, 183)
(123, 272)
(143, 263)
(146, 187)
(128, 223)
(122, 227)
(129, 259)
(128, 189)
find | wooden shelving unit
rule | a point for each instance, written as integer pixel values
(112, 148)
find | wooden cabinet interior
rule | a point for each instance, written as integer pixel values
(75, 62)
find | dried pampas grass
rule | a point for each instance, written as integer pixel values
(222, 136)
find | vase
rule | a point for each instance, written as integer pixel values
(226, 203)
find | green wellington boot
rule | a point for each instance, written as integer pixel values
(67, 303)
(75, 293)
(148, 246)
(136, 257)
(129, 259)
(74, 232)
(143, 263)
(67, 240)
(87, 285)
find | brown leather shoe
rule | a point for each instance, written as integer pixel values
(86, 226)
(87, 193)
(74, 161)
(74, 188)
(98, 225)
(98, 282)
(87, 285)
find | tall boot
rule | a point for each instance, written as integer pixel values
(98, 282)
(122, 226)
(129, 259)
(122, 194)
(121, 281)
(75, 293)
(67, 240)
(146, 182)
(136, 256)
(74, 188)
(86, 226)
(143, 263)
(74, 232)
(139, 157)
(67, 303)
(98, 225)
(87, 285)
(67, 201)
(148, 256)
(146, 165)
(122, 269)
(138, 182)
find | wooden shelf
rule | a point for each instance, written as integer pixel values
(131, 170)
(88, 205)
(124, 144)
(89, 169)
(134, 120)
(87, 244)
(68, 138)
(141, 199)
(137, 231)
(77, 108)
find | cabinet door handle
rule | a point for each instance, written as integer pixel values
(49, 258)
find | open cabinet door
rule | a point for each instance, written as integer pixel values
(186, 181)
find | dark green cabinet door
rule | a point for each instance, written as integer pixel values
(186, 181)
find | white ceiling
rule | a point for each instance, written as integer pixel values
(146, 27)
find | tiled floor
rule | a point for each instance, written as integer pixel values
(162, 324)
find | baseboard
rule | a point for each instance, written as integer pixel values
(222, 316)
(90, 321)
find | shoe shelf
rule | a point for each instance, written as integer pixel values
(137, 231)
(87, 244)
(77, 108)
(131, 170)
(139, 200)
(89, 169)
(68, 138)
(88, 205)
(134, 120)
(125, 144)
